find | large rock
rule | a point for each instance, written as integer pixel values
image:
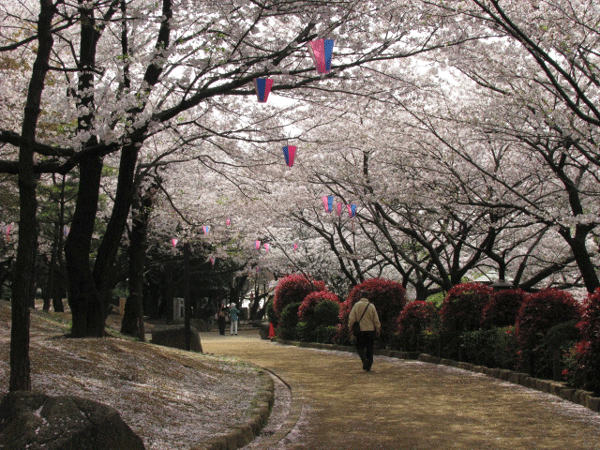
(37, 421)
(174, 336)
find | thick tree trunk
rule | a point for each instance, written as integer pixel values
(86, 308)
(582, 257)
(133, 319)
(24, 282)
(104, 265)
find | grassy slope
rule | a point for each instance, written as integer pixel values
(172, 399)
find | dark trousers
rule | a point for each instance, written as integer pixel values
(221, 322)
(365, 343)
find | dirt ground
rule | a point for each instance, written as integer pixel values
(407, 404)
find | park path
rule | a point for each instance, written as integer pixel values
(404, 404)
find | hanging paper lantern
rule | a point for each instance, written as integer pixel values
(212, 261)
(257, 245)
(328, 203)
(267, 247)
(295, 247)
(228, 222)
(206, 229)
(321, 52)
(66, 230)
(289, 152)
(174, 242)
(339, 209)
(263, 86)
(351, 210)
(8, 228)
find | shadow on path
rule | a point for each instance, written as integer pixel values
(405, 404)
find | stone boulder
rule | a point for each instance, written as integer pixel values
(37, 421)
(174, 336)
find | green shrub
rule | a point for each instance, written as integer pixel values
(304, 332)
(495, 347)
(538, 314)
(307, 310)
(325, 334)
(271, 312)
(557, 341)
(416, 317)
(327, 313)
(288, 321)
(461, 312)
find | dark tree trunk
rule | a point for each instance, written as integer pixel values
(86, 308)
(133, 319)
(582, 256)
(5, 274)
(24, 282)
(104, 265)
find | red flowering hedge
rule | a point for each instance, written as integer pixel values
(539, 313)
(307, 309)
(415, 318)
(584, 372)
(462, 307)
(389, 298)
(293, 289)
(502, 308)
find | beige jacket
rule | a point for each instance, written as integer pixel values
(370, 321)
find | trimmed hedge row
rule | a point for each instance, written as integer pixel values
(547, 334)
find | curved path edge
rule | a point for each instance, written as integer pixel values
(557, 388)
(241, 435)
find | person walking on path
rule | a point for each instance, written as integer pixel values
(365, 314)
(233, 318)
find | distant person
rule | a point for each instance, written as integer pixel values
(365, 314)
(233, 318)
(221, 319)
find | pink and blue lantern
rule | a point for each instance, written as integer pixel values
(289, 153)
(174, 242)
(339, 209)
(295, 247)
(351, 210)
(206, 229)
(321, 52)
(267, 247)
(328, 203)
(257, 245)
(263, 86)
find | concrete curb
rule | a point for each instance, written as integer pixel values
(290, 422)
(242, 435)
(559, 389)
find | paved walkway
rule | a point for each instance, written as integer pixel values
(404, 404)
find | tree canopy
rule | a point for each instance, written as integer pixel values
(465, 133)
